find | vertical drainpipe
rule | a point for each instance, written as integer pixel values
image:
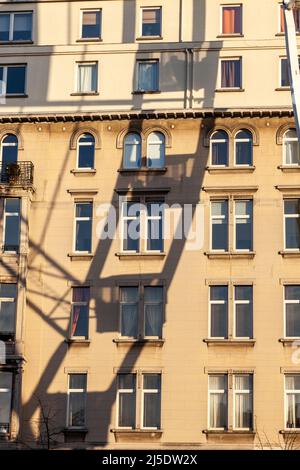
(187, 79)
(191, 78)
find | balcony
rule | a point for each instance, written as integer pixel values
(17, 174)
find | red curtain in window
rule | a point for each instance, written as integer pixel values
(232, 20)
(296, 13)
(80, 294)
(76, 312)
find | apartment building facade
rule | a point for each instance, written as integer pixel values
(122, 124)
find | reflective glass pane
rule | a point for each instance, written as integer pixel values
(22, 27)
(83, 235)
(16, 80)
(91, 24)
(4, 27)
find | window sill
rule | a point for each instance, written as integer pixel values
(290, 431)
(230, 35)
(78, 341)
(16, 43)
(289, 341)
(92, 93)
(229, 342)
(16, 95)
(289, 168)
(80, 256)
(140, 255)
(229, 255)
(83, 171)
(282, 34)
(290, 254)
(227, 90)
(149, 38)
(143, 170)
(75, 434)
(89, 40)
(146, 92)
(231, 169)
(139, 342)
(283, 88)
(229, 432)
(136, 435)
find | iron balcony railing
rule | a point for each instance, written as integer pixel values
(16, 174)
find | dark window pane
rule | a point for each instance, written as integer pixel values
(219, 293)
(84, 235)
(152, 410)
(292, 293)
(8, 290)
(292, 233)
(4, 27)
(219, 151)
(22, 27)
(152, 381)
(155, 235)
(243, 320)
(131, 235)
(7, 317)
(127, 410)
(85, 156)
(84, 210)
(292, 319)
(15, 80)
(91, 24)
(77, 409)
(80, 319)
(219, 235)
(81, 294)
(153, 320)
(129, 320)
(292, 206)
(151, 23)
(12, 205)
(126, 381)
(230, 74)
(243, 150)
(218, 318)
(12, 233)
(77, 381)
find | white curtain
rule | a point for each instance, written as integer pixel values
(156, 150)
(153, 311)
(243, 401)
(87, 78)
(129, 311)
(5, 397)
(218, 401)
(147, 76)
(132, 151)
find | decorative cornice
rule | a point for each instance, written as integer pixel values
(139, 115)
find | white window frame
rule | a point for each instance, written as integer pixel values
(237, 140)
(80, 63)
(284, 140)
(11, 300)
(150, 391)
(125, 145)
(10, 214)
(161, 303)
(122, 302)
(76, 390)
(85, 144)
(126, 390)
(241, 302)
(219, 217)
(124, 218)
(90, 10)
(286, 393)
(221, 19)
(148, 218)
(285, 303)
(233, 59)
(11, 25)
(242, 217)
(82, 219)
(142, 9)
(214, 141)
(241, 392)
(10, 391)
(214, 392)
(217, 302)
(289, 216)
(162, 143)
(4, 81)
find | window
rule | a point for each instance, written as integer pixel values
(284, 72)
(151, 21)
(243, 225)
(243, 311)
(8, 298)
(147, 75)
(291, 224)
(218, 311)
(243, 145)
(231, 19)
(243, 402)
(91, 24)
(132, 157)
(9, 150)
(142, 216)
(11, 227)
(219, 148)
(148, 397)
(87, 77)
(292, 401)
(296, 13)
(86, 151)
(16, 26)
(12, 79)
(219, 225)
(292, 311)
(156, 150)
(291, 151)
(141, 311)
(80, 312)
(151, 401)
(76, 400)
(231, 76)
(6, 382)
(218, 402)
(83, 226)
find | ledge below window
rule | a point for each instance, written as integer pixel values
(80, 256)
(231, 437)
(89, 40)
(137, 435)
(134, 256)
(92, 93)
(230, 255)
(75, 434)
(289, 341)
(83, 171)
(139, 342)
(149, 38)
(290, 254)
(230, 35)
(145, 171)
(229, 90)
(289, 431)
(229, 342)
(16, 43)
(231, 169)
(15, 96)
(289, 168)
(146, 92)
(78, 341)
(229, 432)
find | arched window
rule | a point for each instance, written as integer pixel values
(132, 157)
(219, 148)
(86, 151)
(156, 150)
(9, 149)
(243, 147)
(291, 154)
